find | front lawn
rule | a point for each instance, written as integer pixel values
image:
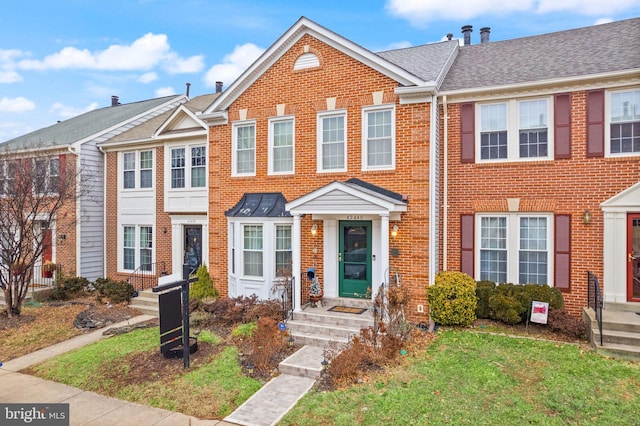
(472, 378)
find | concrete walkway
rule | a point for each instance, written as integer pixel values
(85, 408)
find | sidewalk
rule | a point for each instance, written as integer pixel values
(85, 408)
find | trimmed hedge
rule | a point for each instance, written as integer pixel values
(510, 303)
(452, 298)
(113, 291)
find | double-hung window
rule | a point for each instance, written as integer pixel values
(281, 140)
(137, 170)
(47, 175)
(514, 130)
(332, 142)
(137, 243)
(195, 175)
(283, 250)
(378, 138)
(252, 251)
(515, 248)
(244, 151)
(624, 122)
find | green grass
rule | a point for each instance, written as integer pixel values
(210, 390)
(483, 379)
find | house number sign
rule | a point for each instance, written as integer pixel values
(354, 217)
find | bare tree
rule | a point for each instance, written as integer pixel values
(36, 189)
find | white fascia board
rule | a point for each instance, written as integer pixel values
(289, 38)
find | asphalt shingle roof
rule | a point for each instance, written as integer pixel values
(82, 126)
(584, 51)
(426, 61)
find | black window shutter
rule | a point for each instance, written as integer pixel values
(466, 244)
(467, 132)
(562, 124)
(563, 252)
(595, 123)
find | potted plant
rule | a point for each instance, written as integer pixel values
(315, 292)
(48, 268)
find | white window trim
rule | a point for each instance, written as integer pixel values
(365, 111)
(187, 166)
(136, 177)
(607, 124)
(236, 243)
(512, 248)
(320, 128)
(272, 122)
(137, 247)
(234, 148)
(513, 130)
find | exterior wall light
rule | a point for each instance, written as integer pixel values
(314, 229)
(586, 217)
(394, 231)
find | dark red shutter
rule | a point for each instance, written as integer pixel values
(562, 252)
(466, 244)
(467, 132)
(562, 124)
(595, 123)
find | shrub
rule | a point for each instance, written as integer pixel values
(505, 307)
(452, 299)
(113, 291)
(541, 293)
(203, 288)
(560, 321)
(69, 287)
(510, 303)
(484, 290)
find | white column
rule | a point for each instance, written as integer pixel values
(384, 252)
(296, 262)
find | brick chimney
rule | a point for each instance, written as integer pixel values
(218, 87)
(114, 101)
(484, 34)
(466, 31)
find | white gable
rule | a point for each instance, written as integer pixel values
(629, 198)
(181, 121)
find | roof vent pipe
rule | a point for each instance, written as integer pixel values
(188, 87)
(466, 31)
(114, 101)
(218, 86)
(449, 36)
(484, 34)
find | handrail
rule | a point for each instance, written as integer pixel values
(594, 299)
(146, 275)
(282, 287)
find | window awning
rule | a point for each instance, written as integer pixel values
(261, 204)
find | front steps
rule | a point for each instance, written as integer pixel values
(620, 330)
(146, 302)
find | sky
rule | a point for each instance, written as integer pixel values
(59, 59)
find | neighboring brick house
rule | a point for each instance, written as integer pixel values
(75, 238)
(320, 157)
(157, 194)
(540, 161)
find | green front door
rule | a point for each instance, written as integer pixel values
(354, 256)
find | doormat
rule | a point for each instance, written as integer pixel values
(347, 310)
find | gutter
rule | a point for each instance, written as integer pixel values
(104, 211)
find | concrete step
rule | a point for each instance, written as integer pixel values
(305, 362)
(617, 321)
(616, 350)
(146, 302)
(313, 316)
(323, 330)
(617, 337)
(622, 307)
(146, 309)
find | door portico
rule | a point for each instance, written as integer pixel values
(331, 207)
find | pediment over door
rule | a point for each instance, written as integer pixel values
(629, 199)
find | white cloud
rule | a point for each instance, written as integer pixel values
(148, 77)
(67, 112)
(145, 53)
(603, 21)
(165, 91)
(233, 64)
(419, 12)
(18, 104)
(9, 77)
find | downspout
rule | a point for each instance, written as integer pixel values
(75, 153)
(434, 188)
(104, 211)
(445, 188)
